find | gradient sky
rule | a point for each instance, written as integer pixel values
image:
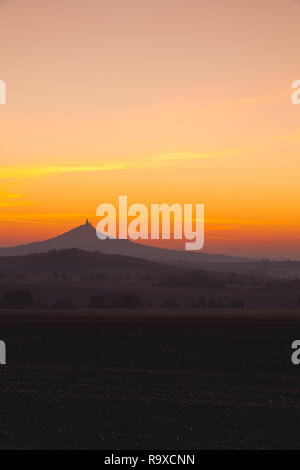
(162, 100)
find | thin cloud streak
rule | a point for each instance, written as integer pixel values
(33, 172)
(8, 199)
(148, 162)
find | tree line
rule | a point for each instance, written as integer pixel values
(22, 299)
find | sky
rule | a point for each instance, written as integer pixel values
(168, 101)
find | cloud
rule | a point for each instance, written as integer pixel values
(177, 156)
(141, 163)
(32, 172)
(4, 194)
(11, 204)
(48, 218)
(9, 199)
(36, 172)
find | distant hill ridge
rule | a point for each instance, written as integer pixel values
(84, 237)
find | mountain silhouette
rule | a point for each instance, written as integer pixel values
(84, 237)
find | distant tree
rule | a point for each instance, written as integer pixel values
(40, 304)
(130, 301)
(237, 303)
(96, 302)
(170, 303)
(111, 300)
(18, 300)
(202, 302)
(64, 304)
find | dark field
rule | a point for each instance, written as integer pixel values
(149, 380)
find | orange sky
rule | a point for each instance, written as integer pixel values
(164, 101)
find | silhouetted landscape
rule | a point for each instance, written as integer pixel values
(111, 351)
(71, 276)
(84, 237)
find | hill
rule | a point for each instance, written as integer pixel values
(84, 237)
